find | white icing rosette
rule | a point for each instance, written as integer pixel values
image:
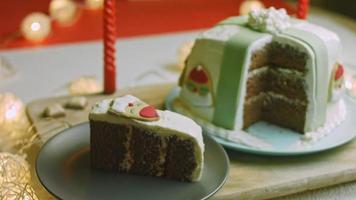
(269, 20)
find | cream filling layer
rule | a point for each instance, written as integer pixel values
(128, 160)
(283, 71)
(162, 158)
(274, 95)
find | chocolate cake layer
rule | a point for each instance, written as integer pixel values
(278, 54)
(252, 112)
(278, 82)
(180, 161)
(107, 145)
(289, 85)
(287, 56)
(259, 58)
(276, 87)
(276, 109)
(145, 149)
(132, 149)
(284, 114)
(256, 84)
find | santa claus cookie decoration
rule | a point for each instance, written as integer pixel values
(131, 107)
(337, 82)
(198, 84)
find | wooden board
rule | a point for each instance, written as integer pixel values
(251, 177)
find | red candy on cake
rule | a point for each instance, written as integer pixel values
(148, 112)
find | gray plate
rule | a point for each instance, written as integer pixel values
(63, 167)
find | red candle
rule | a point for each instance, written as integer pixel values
(109, 46)
(303, 8)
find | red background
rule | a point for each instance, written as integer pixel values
(135, 17)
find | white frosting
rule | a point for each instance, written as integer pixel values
(284, 71)
(331, 40)
(119, 105)
(223, 32)
(274, 95)
(336, 114)
(101, 107)
(269, 20)
(169, 123)
(258, 71)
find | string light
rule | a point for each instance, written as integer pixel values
(94, 4)
(36, 26)
(14, 191)
(13, 168)
(63, 11)
(11, 109)
(14, 123)
(250, 5)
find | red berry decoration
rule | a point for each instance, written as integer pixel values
(148, 112)
(198, 75)
(339, 72)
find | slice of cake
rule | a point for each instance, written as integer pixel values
(127, 135)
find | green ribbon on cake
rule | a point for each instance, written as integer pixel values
(230, 80)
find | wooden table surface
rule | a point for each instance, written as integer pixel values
(251, 176)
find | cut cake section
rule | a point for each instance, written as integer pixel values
(129, 136)
(276, 89)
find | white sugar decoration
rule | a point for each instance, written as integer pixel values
(77, 103)
(223, 32)
(54, 110)
(119, 104)
(269, 20)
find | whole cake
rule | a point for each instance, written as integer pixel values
(127, 135)
(264, 66)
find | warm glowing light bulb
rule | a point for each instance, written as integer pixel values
(10, 108)
(64, 11)
(250, 5)
(94, 4)
(36, 26)
(11, 113)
